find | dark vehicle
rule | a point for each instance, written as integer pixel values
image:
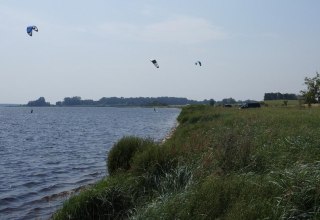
(251, 105)
(227, 105)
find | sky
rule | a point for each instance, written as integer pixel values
(103, 48)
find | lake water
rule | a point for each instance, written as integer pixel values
(46, 155)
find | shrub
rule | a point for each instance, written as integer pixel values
(119, 157)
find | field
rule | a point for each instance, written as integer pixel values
(220, 163)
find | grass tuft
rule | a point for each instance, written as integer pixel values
(121, 154)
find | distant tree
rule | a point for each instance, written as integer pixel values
(76, 100)
(279, 96)
(228, 101)
(145, 101)
(39, 102)
(212, 102)
(312, 93)
(88, 102)
(289, 96)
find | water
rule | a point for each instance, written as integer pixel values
(46, 155)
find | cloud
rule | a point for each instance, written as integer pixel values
(183, 30)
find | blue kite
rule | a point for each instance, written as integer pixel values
(30, 29)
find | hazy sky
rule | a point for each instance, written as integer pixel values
(102, 48)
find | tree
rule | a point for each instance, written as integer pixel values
(279, 96)
(39, 102)
(212, 102)
(76, 100)
(312, 94)
(228, 101)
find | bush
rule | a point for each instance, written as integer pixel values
(120, 156)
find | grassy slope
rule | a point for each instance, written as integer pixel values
(220, 163)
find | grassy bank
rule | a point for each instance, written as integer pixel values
(220, 163)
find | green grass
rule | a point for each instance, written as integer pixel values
(111, 198)
(220, 163)
(121, 155)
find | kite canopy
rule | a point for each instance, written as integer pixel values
(155, 63)
(30, 29)
(198, 62)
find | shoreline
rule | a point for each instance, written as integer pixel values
(170, 133)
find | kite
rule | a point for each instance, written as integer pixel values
(155, 63)
(198, 62)
(30, 29)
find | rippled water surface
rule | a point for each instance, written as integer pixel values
(54, 151)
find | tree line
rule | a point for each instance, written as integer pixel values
(115, 101)
(39, 102)
(138, 101)
(279, 96)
